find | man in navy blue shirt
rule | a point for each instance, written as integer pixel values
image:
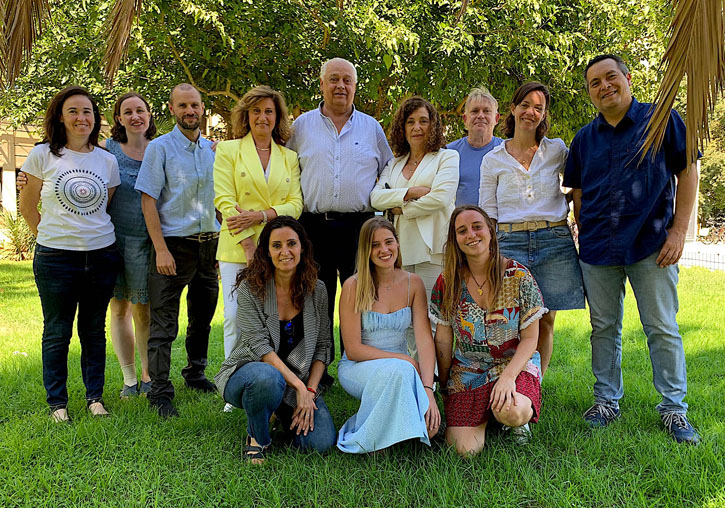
(630, 228)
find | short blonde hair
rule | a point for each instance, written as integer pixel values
(479, 93)
(240, 114)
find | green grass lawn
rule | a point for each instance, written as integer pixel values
(135, 459)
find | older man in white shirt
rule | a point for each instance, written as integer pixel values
(342, 152)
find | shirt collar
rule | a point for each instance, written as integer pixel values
(184, 141)
(631, 116)
(352, 115)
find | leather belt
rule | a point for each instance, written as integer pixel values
(344, 216)
(531, 225)
(203, 237)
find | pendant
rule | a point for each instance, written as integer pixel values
(480, 291)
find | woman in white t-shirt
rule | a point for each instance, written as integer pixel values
(521, 190)
(76, 259)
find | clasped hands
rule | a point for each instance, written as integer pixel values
(245, 219)
(303, 418)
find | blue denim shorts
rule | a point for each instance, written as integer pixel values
(551, 257)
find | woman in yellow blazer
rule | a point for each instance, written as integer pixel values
(418, 187)
(255, 179)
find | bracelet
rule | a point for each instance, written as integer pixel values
(264, 216)
(429, 387)
(311, 390)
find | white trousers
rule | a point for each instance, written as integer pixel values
(229, 273)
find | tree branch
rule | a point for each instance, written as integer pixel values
(225, 93)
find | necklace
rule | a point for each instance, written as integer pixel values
(262, 149)
(480, 286)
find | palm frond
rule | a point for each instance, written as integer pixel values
(118, 32)
(696, 49)
(21, 24)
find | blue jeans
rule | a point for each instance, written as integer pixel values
(258, 387)
(655, 289)
(69, 280)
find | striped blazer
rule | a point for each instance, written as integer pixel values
(258, 334)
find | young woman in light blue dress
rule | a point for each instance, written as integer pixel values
(377, 305)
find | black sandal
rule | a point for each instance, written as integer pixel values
(252, 452)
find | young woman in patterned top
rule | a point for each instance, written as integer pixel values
(491, 305)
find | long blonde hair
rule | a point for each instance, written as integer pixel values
(455, 263)
(367, 280)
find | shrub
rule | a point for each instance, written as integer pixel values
(20, 241)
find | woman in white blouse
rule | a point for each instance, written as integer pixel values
(521, 190)
(418, 187)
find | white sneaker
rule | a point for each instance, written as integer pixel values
(228, 408)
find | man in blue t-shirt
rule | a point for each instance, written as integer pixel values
(630, 229)
(480, 118)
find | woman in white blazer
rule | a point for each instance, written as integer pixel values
(418, 188)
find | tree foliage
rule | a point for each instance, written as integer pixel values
(401, 47)
(712, 173)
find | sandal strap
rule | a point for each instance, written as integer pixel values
(253, 452)
(250, 451)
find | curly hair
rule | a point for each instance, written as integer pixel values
(455, 263)
(509, 123)
(240, 114)
(261, 270)
(118, 131)
(53, 129)
(436, 139)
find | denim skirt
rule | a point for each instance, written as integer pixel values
(552, 259)
(132, 282)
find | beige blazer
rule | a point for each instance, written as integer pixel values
(429, 214)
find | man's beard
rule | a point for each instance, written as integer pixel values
(185, 125)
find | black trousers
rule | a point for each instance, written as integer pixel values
(195, 268)
(334, 237)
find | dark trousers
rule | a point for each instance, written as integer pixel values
(68, 281)
(195, 268)
(334, 238)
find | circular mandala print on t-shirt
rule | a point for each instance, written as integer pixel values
(80, 191)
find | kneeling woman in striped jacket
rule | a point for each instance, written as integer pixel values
(283, 343)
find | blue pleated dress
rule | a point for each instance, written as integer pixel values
(393, 401)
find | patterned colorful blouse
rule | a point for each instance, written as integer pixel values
(485, 341)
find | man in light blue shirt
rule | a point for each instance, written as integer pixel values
(480, 118)
(177, 198)
(342, 152)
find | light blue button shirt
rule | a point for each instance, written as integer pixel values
(338, 171)
(178, 173)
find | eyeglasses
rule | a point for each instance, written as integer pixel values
(289, 331)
